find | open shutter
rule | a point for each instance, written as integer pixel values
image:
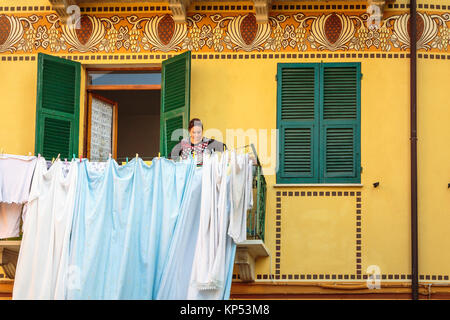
(175, 99)
(340, 123)
(57, 107)
(297, 120)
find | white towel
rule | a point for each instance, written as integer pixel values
(16, 173)
(208, 270)
(15, 177)
(241, 196)
(226, 197)
(10, 219)
(43, 258)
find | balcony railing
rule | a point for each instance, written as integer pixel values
(249, 251)
(256, 216)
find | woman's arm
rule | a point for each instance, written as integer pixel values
(216, 145)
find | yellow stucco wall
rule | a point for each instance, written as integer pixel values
(318, 233)
(18, 107)
(434, 165)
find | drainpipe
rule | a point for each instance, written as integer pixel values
(413, 138)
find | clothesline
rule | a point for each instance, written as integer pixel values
(144, 158)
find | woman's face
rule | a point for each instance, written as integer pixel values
(196, 134)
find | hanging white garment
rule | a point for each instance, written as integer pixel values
(241, 195)
(208, 272)
(10, 219)
(15, 179)
(43, 258)
(218, 243)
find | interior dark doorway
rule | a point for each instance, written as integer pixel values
(138, 125)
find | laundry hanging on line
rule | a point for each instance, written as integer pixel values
(127, 234)
(15, 178)
(43, 258)
(123, 225)
(226, 197)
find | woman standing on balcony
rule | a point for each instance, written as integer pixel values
(196, 143)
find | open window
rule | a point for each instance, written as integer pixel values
(128, 110)
(123, 112)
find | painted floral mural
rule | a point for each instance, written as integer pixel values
(333, 31)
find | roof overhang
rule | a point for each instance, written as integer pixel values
(180, 8)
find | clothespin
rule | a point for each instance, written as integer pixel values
(159, 155)
(39, 155)
(65, 160)
(58, 156)
(73, 156)
(110, 156)
(29, 153)
(193, 155)
(53, 159)
(137, 155)
(127, 159)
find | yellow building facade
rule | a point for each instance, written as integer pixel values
(324, 239)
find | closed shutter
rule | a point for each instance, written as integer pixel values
(340, 123)
(297, 118)
(175, 99)
(57, 107)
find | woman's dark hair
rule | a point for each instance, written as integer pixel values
(195, 122)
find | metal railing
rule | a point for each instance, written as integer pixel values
(256, 216)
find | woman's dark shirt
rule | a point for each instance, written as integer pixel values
(185, 148)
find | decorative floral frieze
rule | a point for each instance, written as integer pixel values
(18, 33)
(296, 32)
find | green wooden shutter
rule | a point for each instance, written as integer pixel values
(175, 99)
(297, 121)
(57, 107)
(340, 122)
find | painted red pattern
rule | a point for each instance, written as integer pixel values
(85, 32)
(5, 29)
(166, 27)
(248, 28)
(333, 28)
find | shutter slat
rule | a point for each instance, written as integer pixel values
(340, 151)
(175, 89)
(57, 134)
(59, 86)
(340, 93)
(297, 151)
(172, 125)
(298, 94)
